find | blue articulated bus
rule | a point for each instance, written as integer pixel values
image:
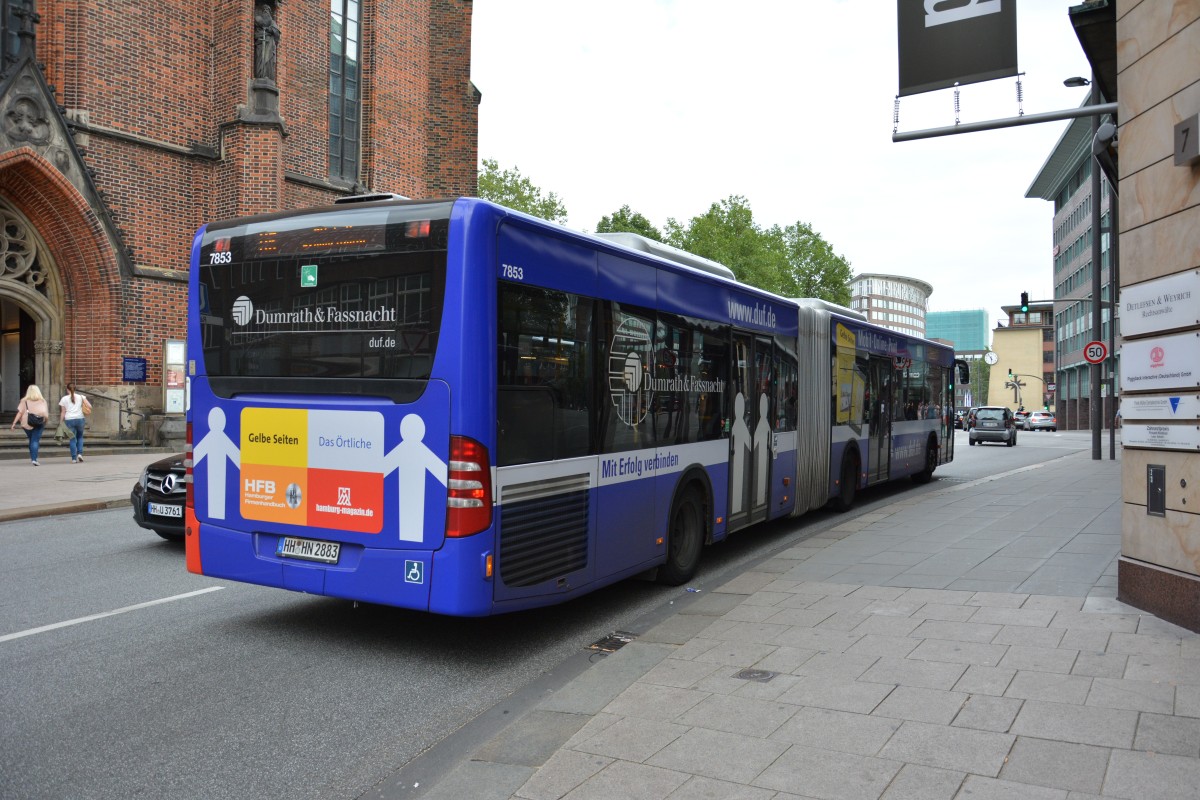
(455, 407)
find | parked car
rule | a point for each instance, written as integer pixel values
(158, 497)
(1041, 421)
(994, 424)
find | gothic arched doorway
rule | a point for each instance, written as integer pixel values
(31, 320)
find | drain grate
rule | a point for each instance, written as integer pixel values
(613, 642)
(760, 675)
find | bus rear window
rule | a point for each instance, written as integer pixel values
(350, 303)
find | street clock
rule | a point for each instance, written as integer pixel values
(991, 358)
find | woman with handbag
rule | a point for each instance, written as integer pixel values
(74, 409)
(32, 413)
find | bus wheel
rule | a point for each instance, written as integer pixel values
(685, 539)
(926, 475)
(848, 483)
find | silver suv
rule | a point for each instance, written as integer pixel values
(994, 424)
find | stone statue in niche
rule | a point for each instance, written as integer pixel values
(26, 121)
(266, 42)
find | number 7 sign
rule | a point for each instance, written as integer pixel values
(1187, 141)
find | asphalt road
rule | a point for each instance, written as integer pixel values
(198, 688)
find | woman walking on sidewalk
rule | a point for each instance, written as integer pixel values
(74, 408)
(32, 413)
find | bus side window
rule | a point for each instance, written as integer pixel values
(626, 365)
(786, 399)
(543, 370)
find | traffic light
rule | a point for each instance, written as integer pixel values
(1024, 302)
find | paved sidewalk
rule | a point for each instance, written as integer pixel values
(60, 487)
(964, 643)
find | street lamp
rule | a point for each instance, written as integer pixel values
(1095, 406)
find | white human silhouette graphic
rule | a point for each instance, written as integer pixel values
(762, 450)
(413, 458)
(215, 447)
(742, 444)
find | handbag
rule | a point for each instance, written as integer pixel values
(35, 420)
(87, 408)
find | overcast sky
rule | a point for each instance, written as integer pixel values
(671, 105)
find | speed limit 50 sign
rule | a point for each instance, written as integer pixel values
(1095, 352)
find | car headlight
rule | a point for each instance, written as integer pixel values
(145, 476)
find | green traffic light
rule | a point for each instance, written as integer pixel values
(1024, 302)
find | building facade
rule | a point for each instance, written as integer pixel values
(1066, 180)
(966, 330)
(127, 125)
(892, 301)
(1156, 69)
(1023, 375)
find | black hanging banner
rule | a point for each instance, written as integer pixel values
(944, 42)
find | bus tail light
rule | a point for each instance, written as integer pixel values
(469, 488)
(191, 527)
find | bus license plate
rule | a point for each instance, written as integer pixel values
(164, 510)
(309, 550)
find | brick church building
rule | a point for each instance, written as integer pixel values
(125, 125)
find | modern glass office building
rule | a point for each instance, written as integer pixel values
(966, 330)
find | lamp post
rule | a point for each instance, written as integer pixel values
(1094, 401)
(1104, 139)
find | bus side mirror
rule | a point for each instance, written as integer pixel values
(964, 371)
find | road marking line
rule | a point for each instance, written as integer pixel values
(102, 615)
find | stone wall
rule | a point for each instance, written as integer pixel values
(1158, 64)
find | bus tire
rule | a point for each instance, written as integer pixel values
(926, 475)
(848, 483)
(685, 539)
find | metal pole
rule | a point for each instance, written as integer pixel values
(1095, 405)
(1093, 109)
(1114, 285)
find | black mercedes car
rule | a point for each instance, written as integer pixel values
(158, 497)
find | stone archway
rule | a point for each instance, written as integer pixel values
(67, 279)
(31, 301)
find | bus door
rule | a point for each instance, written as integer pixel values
(750, 430)
(879, 445)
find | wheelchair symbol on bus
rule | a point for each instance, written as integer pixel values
(414, 571)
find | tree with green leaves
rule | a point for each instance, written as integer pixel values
(793, 261)
(629, 221)
(511, 189)
(813, 268)
(727, 234)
